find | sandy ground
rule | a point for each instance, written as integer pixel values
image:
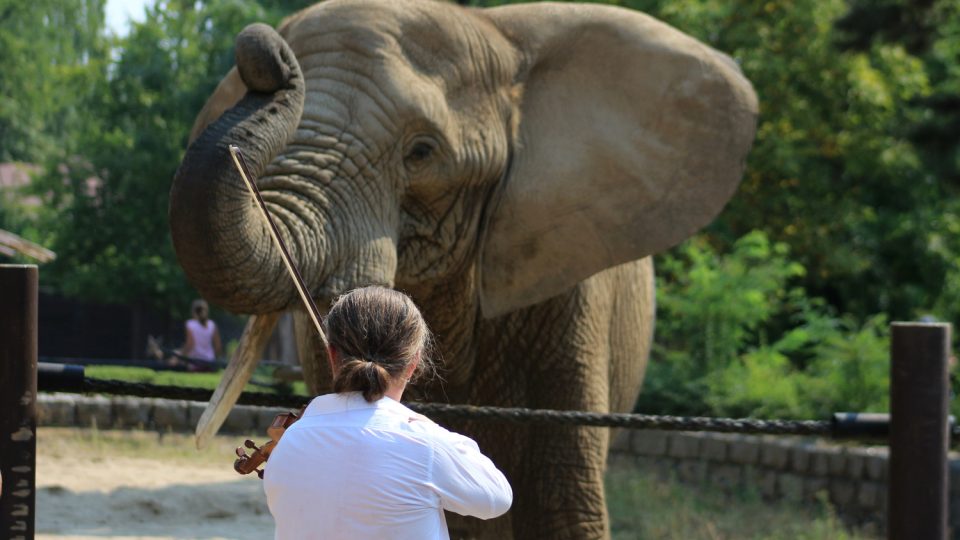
(89, 493)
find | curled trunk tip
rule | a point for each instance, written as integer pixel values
(216, 233)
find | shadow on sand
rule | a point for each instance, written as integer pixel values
(234, 510)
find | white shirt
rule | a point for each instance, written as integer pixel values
(354, 470)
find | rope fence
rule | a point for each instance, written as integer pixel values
(846, 425)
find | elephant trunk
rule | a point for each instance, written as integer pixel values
(221, 242)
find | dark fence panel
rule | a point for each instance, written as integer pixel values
(18, 399)
(70, 328)
(919, 432)
(87, 330)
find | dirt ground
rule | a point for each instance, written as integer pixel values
(122, 485)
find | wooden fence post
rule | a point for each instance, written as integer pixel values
(18, 399)
(919, 431)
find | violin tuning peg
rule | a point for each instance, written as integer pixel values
(260, 473)
(240, 452)
(250, 444)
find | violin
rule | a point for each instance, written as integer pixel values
(246, 464)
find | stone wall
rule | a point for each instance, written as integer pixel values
(854, 478)
(123, 412)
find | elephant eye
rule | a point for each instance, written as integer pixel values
(418, 153)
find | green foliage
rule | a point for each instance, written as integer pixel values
(46, 47)
(849, 372)
(851, 369)
(711, 306)
(106, 192)
(832, 173)
(760, 383)
(735, 339)
(710, 310)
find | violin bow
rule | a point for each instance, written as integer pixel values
(277, 241)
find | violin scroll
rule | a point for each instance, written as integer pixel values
(246, 464)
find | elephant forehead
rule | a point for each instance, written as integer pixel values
(358, 25)
(384, 15)
(394, 98)
(443, 42)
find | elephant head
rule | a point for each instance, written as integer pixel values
(495, 156)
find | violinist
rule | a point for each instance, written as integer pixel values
(358, 464)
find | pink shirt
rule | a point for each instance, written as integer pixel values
(202, 339)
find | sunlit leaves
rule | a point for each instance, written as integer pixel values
(137, 110)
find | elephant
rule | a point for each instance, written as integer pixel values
(512, 169)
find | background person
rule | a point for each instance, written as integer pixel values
(360, 465)
(202, 345)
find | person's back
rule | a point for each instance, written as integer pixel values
(202, 345)
(203, 339)
(384, 472)
(360, 465)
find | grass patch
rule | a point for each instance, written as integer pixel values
(642, 506)
(207, 381)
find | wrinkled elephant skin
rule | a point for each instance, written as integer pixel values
(512, 169)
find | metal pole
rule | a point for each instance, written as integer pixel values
(919, 435)
(18, 398)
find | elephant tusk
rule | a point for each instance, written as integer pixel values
(235, 377)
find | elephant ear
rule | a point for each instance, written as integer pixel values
(632, 136)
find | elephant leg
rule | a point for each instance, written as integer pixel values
(559, 493)
(559, 490)
(631, 332)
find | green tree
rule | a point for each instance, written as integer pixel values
(107, 192)
(735, 337)
(46, 48)
(832, 173)
(711, 309)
